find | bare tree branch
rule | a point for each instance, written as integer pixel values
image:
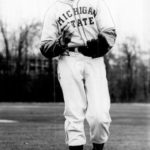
(4, 35)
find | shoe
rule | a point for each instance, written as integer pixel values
(98, 146)
(76, 147)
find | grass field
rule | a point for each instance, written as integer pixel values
(40, 127)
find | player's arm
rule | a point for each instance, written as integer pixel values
(49, 35)
(53, 43)
(106, 27)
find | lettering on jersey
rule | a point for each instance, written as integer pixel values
(91, 13)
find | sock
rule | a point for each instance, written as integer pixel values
(98, 146)
(76, 147)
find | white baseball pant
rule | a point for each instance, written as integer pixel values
(85, 90)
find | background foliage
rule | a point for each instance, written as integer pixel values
(27, 76)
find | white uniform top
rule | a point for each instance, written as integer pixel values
(87, 17)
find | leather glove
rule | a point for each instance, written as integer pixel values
(98, 47)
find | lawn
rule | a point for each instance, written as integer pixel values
(40, 127)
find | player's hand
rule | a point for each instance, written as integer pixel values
(67, 33)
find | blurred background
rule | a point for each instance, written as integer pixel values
(26, 76)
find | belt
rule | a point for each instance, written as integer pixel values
(82, 49)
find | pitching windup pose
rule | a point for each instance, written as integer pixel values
(81, 32)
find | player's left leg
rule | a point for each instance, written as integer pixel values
(98, 98)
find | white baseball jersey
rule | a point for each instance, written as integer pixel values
(87, 17)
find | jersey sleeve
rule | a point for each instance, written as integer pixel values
(50, 36)
(104, 18)
(105, 23)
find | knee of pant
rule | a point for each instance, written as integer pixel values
(100, 119)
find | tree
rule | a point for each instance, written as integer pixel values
(129, 50)
(6, 43)
(128, 75)
(27, 35)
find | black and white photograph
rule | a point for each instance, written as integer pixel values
(74, 75)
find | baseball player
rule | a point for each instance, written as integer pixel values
(80, 33)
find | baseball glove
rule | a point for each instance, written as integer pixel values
(100, 46)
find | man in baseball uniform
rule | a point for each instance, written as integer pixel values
(80, 33)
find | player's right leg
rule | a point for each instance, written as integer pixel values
(70, 78)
